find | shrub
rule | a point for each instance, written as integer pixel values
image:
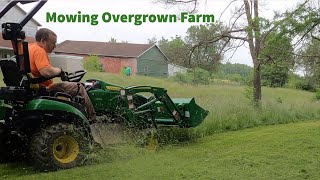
(317, 94)
(305, 85)
(195, 76)
(93, 64)
(182, 78)
(200, 76)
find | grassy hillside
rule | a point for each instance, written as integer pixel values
(288, 151)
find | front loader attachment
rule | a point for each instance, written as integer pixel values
(197, 113)
(142, 106)
(192, 117)
(183, 112)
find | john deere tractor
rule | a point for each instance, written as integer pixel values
(51, 128)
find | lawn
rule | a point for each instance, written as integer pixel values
(289, 151)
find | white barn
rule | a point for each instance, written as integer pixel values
(67, 62)
(173, 69)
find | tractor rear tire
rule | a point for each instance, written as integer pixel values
(3, 148)
(60, 146)
(12, 147)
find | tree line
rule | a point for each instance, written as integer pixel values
(279, 46)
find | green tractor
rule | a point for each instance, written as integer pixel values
(143, 106)
(51, 128)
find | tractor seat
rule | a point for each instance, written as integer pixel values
(12, 93)
(10, 71)
(13, 79)
(19, 88)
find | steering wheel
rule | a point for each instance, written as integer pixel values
(76, 76)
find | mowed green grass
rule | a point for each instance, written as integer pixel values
(290, 151)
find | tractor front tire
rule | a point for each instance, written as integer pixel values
(59, 146)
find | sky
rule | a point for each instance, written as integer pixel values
(131, 33)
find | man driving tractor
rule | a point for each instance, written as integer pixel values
(40, 66)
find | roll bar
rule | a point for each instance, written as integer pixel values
(28, 16)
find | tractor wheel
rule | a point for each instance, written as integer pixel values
(3, 147)
(12, 147)
(60, 146)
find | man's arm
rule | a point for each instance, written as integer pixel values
(48, 72)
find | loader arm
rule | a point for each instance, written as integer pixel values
(160, 95)
(138, 110)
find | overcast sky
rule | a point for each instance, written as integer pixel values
(138, 34)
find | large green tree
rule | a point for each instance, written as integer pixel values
(183, 51)
(309, 61)
(279, 60)
(175, 49)
(205, 55)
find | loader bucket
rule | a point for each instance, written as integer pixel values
(193, 114)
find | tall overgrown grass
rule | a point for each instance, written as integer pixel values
(229, 106)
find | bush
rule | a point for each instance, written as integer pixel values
(301, 83)
(305, 85)
(200, 76)
(195, 76)
(182, 78)
(93, 64)
(317, 94)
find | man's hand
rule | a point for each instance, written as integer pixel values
(64, 76)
